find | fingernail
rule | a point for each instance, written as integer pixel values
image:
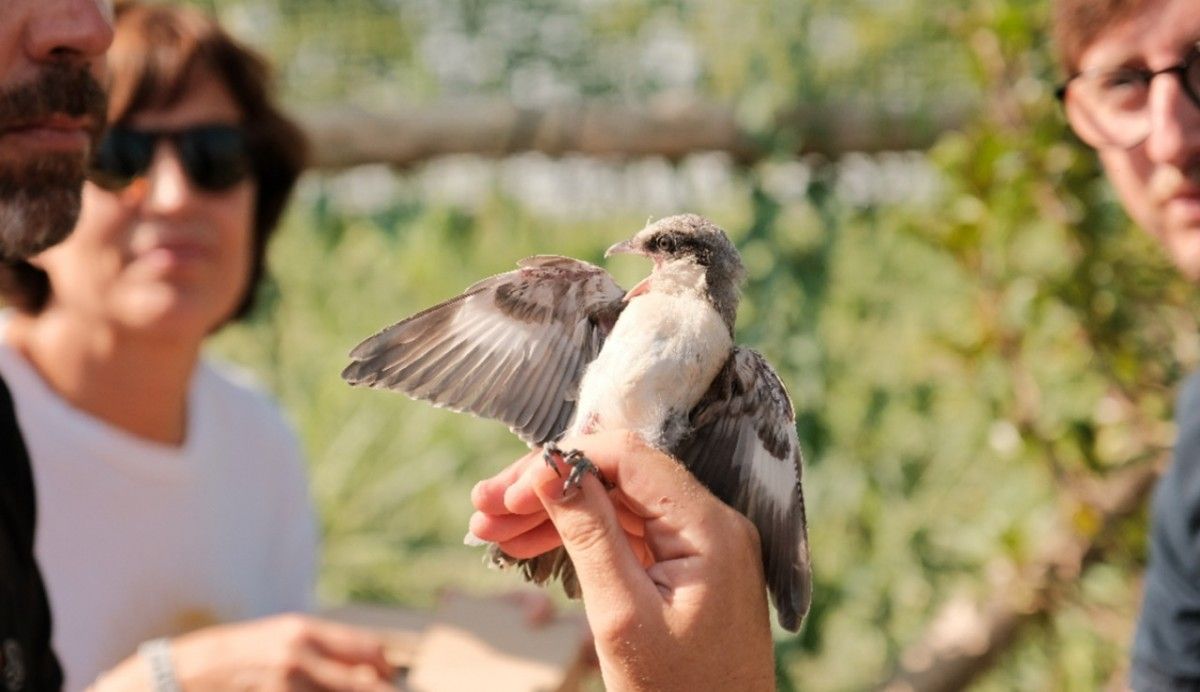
(473, 541)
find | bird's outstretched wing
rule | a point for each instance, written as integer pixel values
(513, 347)
(743, 446)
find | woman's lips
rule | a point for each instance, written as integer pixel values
(175, 254)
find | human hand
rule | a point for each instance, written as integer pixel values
(287, 652)
(691, 612)
(510, 514)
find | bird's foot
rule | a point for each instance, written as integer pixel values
(579, 464)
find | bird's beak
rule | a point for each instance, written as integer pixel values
(625, 247)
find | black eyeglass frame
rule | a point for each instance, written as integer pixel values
(1180, 69)
(188, 143)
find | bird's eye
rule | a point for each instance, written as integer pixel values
(665, 243)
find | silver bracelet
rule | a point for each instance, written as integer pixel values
(157, 654)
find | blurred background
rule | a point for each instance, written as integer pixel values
(981, 349)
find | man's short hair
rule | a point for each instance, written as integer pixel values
(1078, 23)
(155, 53)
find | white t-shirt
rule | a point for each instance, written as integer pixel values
(137, 540)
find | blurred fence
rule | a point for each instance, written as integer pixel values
(344, 137)
(400, 81)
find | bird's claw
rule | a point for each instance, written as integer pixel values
(551, 454)
(580, 465)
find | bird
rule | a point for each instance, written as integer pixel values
(557, 347)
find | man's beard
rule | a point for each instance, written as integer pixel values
(39, 195)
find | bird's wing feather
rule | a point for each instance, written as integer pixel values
(513, 347)
(743, 446)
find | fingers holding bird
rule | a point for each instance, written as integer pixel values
(510, 513)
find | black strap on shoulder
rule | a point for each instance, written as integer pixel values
(26, 660)
(18, 505)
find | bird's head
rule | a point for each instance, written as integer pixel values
(690, 253)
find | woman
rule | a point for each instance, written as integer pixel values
(172, 495)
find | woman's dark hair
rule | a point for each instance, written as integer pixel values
(156, 51)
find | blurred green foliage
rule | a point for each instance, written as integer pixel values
(958, 363)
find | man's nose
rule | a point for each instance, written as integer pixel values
(69, 30)
(1174, 123)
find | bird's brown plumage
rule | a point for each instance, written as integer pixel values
(517, 347)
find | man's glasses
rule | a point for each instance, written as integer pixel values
(1109, 107)
(214, 157)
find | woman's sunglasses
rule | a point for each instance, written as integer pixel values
(214, 157)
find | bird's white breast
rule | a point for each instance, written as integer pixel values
(660, 358)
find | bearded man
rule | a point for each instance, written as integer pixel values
(51, 112)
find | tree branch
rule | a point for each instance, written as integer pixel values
(966, 639)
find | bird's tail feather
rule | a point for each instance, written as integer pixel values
(546, 567)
